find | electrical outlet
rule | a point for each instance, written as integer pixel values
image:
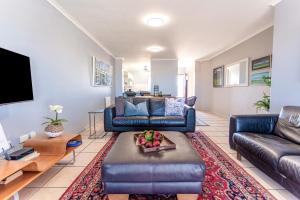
(23, 138)
(32, 134)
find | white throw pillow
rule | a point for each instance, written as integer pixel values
(174, 106)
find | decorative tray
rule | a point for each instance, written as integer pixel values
(164, 143)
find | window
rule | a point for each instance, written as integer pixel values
(236, 74)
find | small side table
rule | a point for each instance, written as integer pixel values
(92, 123)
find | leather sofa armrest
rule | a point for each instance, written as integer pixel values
(190, 118)
(260, 124)
(109, 114)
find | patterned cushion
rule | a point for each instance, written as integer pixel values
(174, 106)
(120, 106)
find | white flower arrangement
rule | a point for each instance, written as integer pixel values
(55, 121)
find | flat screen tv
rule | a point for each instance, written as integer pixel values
(15, 77)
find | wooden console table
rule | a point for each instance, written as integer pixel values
(51, 150)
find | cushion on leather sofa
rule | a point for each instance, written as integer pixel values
(131, 121)
(120, 106)
(269, 148)
(136, 110)
(290, 167)
(284, 128)
(167, 121)
(157, 107)
(137, 100)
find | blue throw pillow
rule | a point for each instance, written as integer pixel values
(136, 110)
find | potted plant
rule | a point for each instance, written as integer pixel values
(55, 126)
(264, 103)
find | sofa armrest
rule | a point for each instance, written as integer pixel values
(261, 124)
(190, 118)
(109, 114)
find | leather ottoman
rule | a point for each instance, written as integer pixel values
(127, 170)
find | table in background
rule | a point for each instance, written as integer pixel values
(92, 118)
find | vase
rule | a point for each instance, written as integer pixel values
(54, 130)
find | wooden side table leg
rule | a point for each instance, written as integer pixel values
(187, 196)
(118, 196)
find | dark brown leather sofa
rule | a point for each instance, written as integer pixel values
(271, 143)
(156, 119)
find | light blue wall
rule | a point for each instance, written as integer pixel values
(61, 64)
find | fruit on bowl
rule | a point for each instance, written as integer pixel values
(150, 139)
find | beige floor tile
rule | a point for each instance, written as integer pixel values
(65, 177)
(226, 148)
(85, 143)
(213, 128)
(94, 147)
(220, 140)
(243, 163)
(263, 179)
(43, 179)
(27, 193)
(103, 140)
(83, 159)
(215, 134)
(48, 194)
(283, 195)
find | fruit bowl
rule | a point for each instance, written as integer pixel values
(151, 141)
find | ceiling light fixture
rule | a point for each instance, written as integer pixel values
(155, 49)
(155, 20)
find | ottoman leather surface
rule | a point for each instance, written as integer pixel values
(125, 163)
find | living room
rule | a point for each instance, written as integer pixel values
(149, 100)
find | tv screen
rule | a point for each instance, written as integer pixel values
(15, 77)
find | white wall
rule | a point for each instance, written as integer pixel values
(61, 64)
(236, 100)
(118, 74)
(140, 80)
(286, 55)
(164, 74)
(203, 85)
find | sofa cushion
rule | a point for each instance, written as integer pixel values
(268, 148)
(131, 121)
(137, 100)
(290, 167)
(174, 106)
(157, 107)
(285, 128)
(136, 110)
(120, 106)
(191, 101)
(167, 121)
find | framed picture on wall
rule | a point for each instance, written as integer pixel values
(262, 63)
(258, 78)
(218, 77)
(102, 73)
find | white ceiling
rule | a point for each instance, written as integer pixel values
(197, 29)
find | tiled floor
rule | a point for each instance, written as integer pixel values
(52, 184)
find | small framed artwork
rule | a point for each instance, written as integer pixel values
(262, 63)
(258, 78)
(218, 77)
(102, 73)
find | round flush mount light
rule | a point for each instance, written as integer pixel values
(155, 20)
(155, 49)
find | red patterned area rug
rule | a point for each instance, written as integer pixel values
(224, 178)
